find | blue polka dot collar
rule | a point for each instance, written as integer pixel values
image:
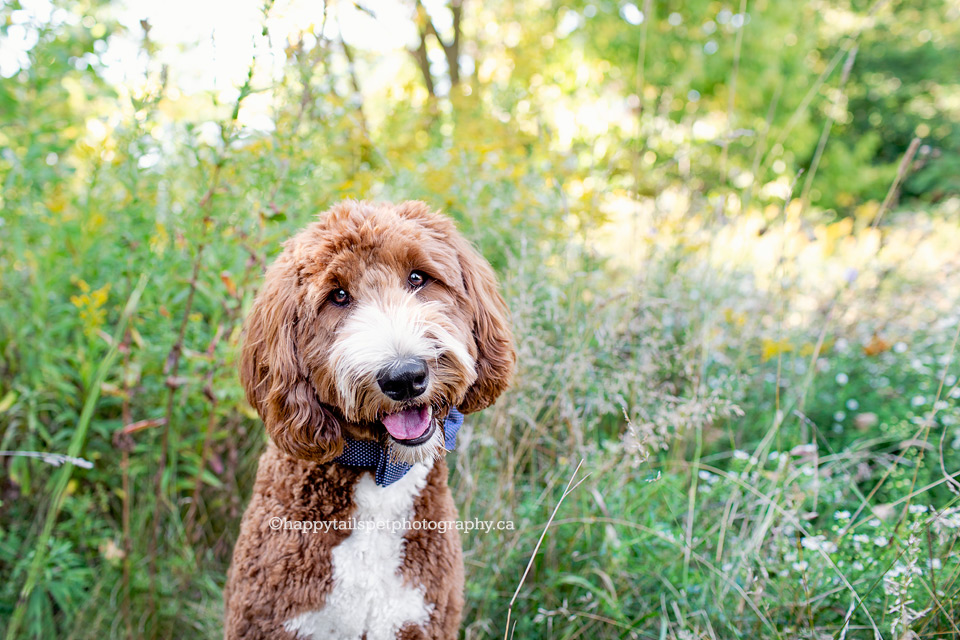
(368, 453)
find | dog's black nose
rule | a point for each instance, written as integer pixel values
(405, 380)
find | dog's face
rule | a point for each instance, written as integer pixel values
(373, 322)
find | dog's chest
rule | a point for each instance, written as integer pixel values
(369, 598)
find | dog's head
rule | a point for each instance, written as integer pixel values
(373, 322)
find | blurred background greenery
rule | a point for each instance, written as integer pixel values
(727, 232)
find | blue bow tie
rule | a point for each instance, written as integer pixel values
(369, 453)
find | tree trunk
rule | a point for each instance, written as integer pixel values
(420, 55)
(451, 51)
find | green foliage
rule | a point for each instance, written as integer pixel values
(761, 397)
(766, 82)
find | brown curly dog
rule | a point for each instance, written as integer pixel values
(375, 328)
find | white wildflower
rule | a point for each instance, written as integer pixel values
(708, 477)
(818, 543)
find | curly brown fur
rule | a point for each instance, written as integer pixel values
(339, 307)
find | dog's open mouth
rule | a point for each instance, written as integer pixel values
(411, 426)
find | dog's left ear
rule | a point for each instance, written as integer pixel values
(496, 356)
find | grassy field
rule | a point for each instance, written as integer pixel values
(737, 312)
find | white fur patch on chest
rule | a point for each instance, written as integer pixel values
(369, 595)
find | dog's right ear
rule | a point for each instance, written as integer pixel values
(274, 378)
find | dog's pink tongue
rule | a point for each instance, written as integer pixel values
(408, 424)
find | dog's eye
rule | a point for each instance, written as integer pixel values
(340, 297)
(417, 279)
